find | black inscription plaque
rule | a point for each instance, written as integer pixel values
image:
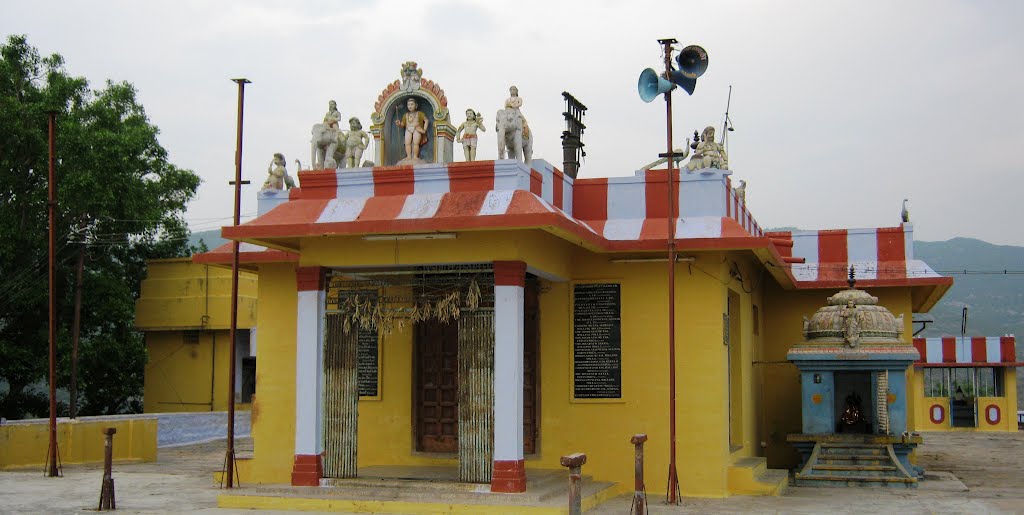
(597, 341)
(366, 362)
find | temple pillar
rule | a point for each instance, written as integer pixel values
(509, 472)
(309, 359)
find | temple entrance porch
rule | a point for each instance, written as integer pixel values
(472, 361)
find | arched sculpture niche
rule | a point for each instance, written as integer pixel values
(391, 105)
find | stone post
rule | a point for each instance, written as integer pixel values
(107, 501)
(575, 462)
(639, 490)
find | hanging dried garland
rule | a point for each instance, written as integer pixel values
(367, 310)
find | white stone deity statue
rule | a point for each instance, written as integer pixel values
(333, 116)
(415, 124)
(709, 153)
(277, 175)
(466, 133)
(324, 139)
(356, 140)
(514, 101)
(513, 132)
(411, 76)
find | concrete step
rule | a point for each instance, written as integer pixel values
(859, 479)
(854, 451)
(854, 457)
(845, 445)
(397, 499)
(548, 486)
(871, 468)
(751, 476)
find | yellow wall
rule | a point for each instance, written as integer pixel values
(177, 296)
(177, 293)
(78, 441)
(273, 407)
(566, 426)
(768, 407)
(1007, 406)
(781, 315)
(178, 374)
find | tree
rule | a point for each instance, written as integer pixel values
(118, 196)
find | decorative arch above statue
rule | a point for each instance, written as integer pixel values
(391, 106)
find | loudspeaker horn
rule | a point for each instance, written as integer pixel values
(693, 61)
(680, 79)
(651, 85)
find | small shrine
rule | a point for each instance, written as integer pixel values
(853, 364)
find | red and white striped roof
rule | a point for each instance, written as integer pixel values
(879, 257)
(970, 351)
(616, 214)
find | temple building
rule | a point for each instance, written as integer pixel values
(488, 317)
(184, 311)
(966, 383)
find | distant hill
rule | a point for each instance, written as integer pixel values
(995, 303)
(211, 238)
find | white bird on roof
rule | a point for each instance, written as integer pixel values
(905, 214)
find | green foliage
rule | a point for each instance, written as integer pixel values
(118, 197)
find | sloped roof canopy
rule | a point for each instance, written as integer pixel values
(620, 215)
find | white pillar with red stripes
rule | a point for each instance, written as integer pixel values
(509, 472)
(308, 466)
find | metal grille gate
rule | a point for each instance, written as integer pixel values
(476, 396)
(341, 399)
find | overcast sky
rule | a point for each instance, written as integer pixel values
(841, 109)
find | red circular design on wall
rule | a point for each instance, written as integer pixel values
(992, 414)
(937, 413)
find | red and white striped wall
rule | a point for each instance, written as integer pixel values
(953, 351)
(878, 256)
(636, 208)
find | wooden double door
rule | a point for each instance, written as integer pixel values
(436, 364)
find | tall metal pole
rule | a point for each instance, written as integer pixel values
(51, 205)
(229, 458)
(673, 476)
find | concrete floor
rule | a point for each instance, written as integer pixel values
(990, 465)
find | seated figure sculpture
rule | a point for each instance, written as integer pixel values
(708, 153)
(277, 175)
(415, 124)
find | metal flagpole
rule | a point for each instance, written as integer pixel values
(673, 476)
(51, 465)
(229, 458)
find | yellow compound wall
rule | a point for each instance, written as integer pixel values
(24, 444)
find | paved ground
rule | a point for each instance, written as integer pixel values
(188, 428)
(990, 465)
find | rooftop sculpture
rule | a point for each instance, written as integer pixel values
(425, 137)
(708, 153)
(513, 132)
